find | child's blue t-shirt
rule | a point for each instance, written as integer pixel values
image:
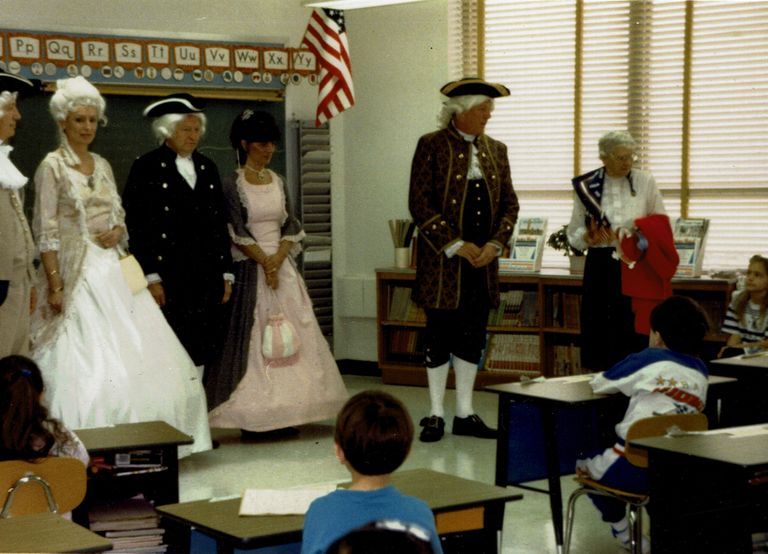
(334, 515)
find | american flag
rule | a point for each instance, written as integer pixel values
(326, 38)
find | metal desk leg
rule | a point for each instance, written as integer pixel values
(553, 474)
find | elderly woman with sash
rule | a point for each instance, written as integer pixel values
(462, 200)
(606, 199)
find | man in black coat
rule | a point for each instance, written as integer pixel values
(177, 226)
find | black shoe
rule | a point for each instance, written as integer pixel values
(434, 429)
(473, 426)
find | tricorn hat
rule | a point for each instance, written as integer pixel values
(474, 85)
(174, 103)
(14, 83)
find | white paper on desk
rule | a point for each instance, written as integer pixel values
(746, 431)
(572, 378)
(260, 502)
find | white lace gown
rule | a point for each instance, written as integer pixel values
(310, 389)
(110, 356)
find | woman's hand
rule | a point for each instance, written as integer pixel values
(469, 251)
(158, 293)
(598, 234)
(272, 280)
(109, 239)
(227, 292)
(56, 299)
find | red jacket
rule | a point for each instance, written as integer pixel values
(648, 282)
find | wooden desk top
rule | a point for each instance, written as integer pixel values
(717, 445)
(220, 519)
(568, 390)
(47, 532)
(124, 436)
(759, 361)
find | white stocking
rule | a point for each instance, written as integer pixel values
(465, 384)
(437, 377)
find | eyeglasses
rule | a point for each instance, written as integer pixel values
(626, 158)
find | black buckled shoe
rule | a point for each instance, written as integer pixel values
(473, 426)
(434, 429)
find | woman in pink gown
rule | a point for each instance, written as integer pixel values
(245, 390)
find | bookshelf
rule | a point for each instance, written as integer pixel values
(537, 333)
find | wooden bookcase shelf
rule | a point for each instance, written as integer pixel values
(555, 331)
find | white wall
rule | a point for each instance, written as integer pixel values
(398, 62)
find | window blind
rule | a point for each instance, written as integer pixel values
(688, 79)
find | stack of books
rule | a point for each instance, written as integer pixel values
(515, 354)
(131, 524)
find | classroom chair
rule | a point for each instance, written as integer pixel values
(59, 485)
(644, 428)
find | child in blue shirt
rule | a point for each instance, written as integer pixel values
(373, 437)
(668, 377)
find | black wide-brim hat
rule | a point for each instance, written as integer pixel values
(474, 86)
(179, 103)
(14, 83)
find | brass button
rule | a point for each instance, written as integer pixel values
(167, 209)
(165, 185)
(160, 258)
(162, 164)
(458, 176)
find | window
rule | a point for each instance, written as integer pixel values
(688, 79)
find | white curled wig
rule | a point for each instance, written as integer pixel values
(75, 93)
(459, 104)
(614, 139)
(165, 125)
(6, 98)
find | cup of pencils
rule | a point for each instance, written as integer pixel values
(402, 234)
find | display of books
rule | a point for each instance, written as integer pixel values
(690, 235)
(526, 246)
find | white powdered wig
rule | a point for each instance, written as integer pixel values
(6, 98)
(165, 125)
(459, 104)
(74, 93)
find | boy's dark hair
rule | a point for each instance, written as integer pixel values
(383, 537)
(375, 432)
(682, 324)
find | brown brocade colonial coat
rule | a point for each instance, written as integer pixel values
(438, 191)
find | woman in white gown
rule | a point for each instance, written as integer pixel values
(107, 355)
(245, 390)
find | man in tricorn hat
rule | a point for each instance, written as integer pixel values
(17, 293)
(176, 221)
(462, 200)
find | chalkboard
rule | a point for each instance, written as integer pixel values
(128, 134)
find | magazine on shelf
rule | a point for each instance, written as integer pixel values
(690, 235)
(526, 246)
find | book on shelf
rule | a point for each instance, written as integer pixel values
(406, 341)
(526, 246)
(516, 308)
(514, 352)
(403, 308)
(565, 309)
(566, 360)
(690, 236)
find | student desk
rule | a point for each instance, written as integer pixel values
(460, 506)
(749, 405)
(544, 427)
(709, 491)
(48, 532)
(161, 485)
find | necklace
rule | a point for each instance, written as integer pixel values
(262, 175)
